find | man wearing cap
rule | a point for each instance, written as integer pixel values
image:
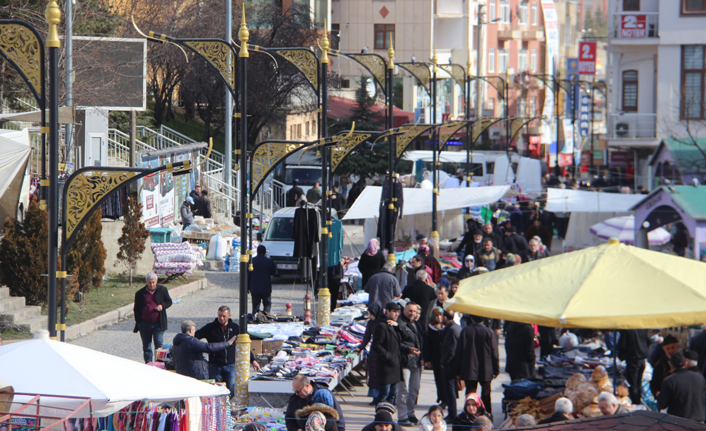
(387, 408)
(421, 240)
(188, 351)
(659, 359)
(683, 393)
(382, 422)
(471, 243)
(387, 345)
(187, 216)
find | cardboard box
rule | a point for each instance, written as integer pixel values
(270, 347)
(256, 347)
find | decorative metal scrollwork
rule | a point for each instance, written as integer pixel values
(216, 53)
(305, 61)
(23, 48)
(375, 65)
(457, 72)
(515, 125)
(266, 156)
(447, 131)
(409, 133)
(419, 71)
(85, 191)
(480, 126)
(342, 148)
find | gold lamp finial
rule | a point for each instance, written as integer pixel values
(53, 16)
(435, 60)
(391, 55)
(325, 45)
(243, 35)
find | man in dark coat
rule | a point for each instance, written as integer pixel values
(304, 391)
(533, 253)
(659, 359)
(188, 351)
(408, 387)
(221, 363)
(633, 348)
(683, 393)
(449, 362)
(204, 208)
(479, 361)
(496, 237)
(150, 310)
(471, 243)
(260, 280)
(514, 242)
(383, 287)
(294, 194)
(387, 345)
(519, 350)
(419, 291)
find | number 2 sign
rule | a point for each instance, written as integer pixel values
(587, 58)
(633, 26)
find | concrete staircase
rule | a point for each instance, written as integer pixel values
(15, 315)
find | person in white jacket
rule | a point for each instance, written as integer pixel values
(433, 420)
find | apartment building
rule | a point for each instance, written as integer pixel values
(656, 77)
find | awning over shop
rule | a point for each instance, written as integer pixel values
(562, 200)
(418, 201)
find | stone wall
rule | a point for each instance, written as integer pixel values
(112, 231)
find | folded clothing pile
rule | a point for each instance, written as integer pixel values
(178, 258)
(522, 388)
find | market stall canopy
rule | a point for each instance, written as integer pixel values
(611, 286)
(13, 172)
(418, 201)
(66, 116)
(623, 228)
(44, 366)
(563, 200)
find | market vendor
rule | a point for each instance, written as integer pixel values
(221, 364)
(304, 391)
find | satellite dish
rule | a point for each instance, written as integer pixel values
(7, 394)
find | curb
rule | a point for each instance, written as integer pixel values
(84, 328)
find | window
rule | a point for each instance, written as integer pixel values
(382, 35)
(630, 91)
(533, 61)
(335, 36)
(505, 11)
(696, 7)
(491, 59)
(521, 107)
(692, 87)
(306, 127)
(631, 5)
(522, 60)
(522, 16)
(491, 106)
(532, 106)
(502, 54)
(299, 130)
(534, 13)
(491, 11)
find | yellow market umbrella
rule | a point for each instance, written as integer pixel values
(611, 286)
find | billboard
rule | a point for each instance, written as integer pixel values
(110, 73)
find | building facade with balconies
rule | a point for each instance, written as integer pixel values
(656, 75)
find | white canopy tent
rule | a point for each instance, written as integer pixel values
(44, 366)
(418, 201)
(14, 181)
(564, 200)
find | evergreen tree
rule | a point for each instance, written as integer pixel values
(588, 21)
(132, 241)
(23, 255)
(86, 256)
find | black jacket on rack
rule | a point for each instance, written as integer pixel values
(306, 232)
(397, 212)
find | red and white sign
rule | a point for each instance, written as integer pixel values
(633, 26)
(587, 58)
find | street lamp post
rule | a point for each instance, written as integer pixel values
(434, 146)
(391, 156)
(324, 296)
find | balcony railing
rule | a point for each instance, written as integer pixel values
(635, 25)
(632, 126)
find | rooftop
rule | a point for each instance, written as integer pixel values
(635, 421)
